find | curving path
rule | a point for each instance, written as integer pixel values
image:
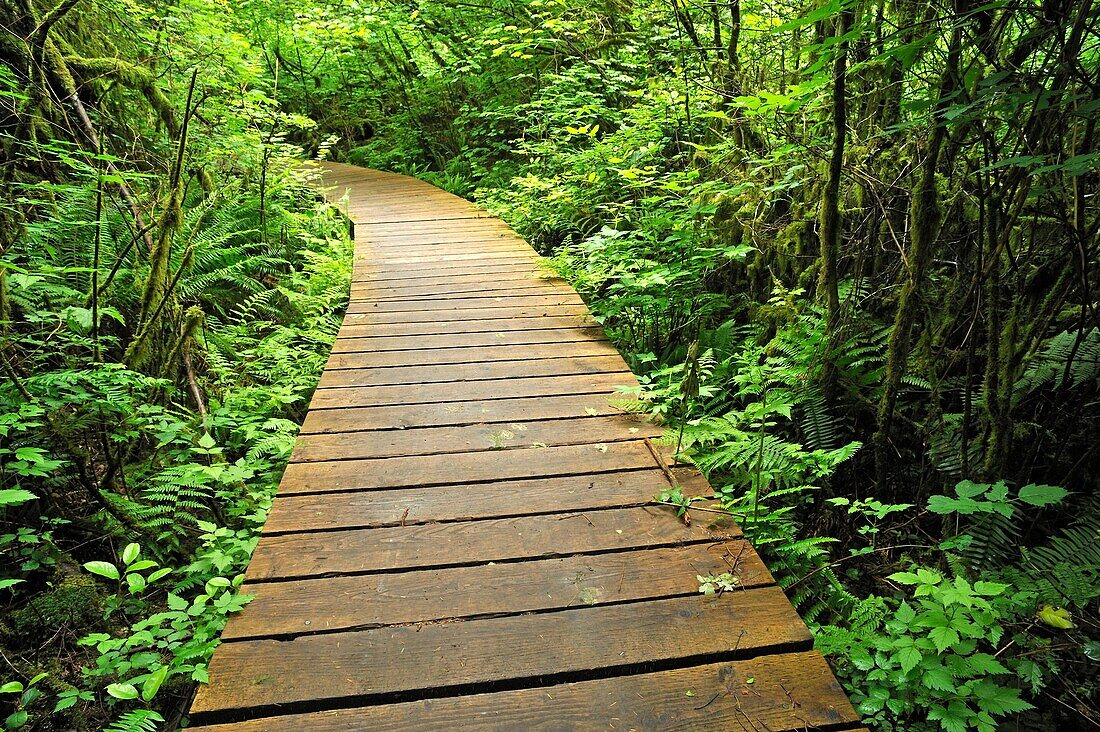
(462, 540)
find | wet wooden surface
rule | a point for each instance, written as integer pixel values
(465, 539)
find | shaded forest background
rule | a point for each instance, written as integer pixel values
(851, 248)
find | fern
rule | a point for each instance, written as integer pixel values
(1049, 367)
(1066, 570)
(137, 720)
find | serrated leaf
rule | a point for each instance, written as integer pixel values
(905, 613)
(938, 678)
(1042, 495)
(15, 497)
(944, 638)
(985, 663)
(989, 589)
(909, 658)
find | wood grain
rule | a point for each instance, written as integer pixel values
(469, 654)
(786, 692)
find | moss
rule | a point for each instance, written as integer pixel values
(133, 77)
(75, 604)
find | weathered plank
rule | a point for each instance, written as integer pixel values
(473, 467)
(470, 438)
(515, 352)
(474, 313)
(356, 329)
(491, 370)
(526, 286)
(495, 499)
(364, 601)
(347, 342)
(374, 396)
(790, 692)
(466, 655)
(358, 551)
(454, 414)
(534, 300)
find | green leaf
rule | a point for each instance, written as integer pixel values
(989, 589)
(103, 569)
(953, 718)
(142, 565)
(15, 497)
(123, 691)
(905, 614)
(997, 699)
(136, 583)
(12, 687)
(944, 638)
(130, 553)
(154, 576)
(177, 603)
(909, 658)
(1055, 617)
(904, 578)
(1042, 495)
(984, 663)
(6, 583)
(206, 441)
(16, 720)
(939, 678)
(153, 683)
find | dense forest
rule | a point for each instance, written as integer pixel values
(851, 248)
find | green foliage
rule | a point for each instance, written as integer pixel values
(667, 158)
(933, 657)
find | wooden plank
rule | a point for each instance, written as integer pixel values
(452, 292)
(453, 373)
(484, 354)
(454, 414)
(533, 300)
(442, 261)
(498, 499)
(407, 230)
(440, 283)
(352, 329)
(358, 551)
(448, 316)
(474, 467)
(377, 396)
(347, 342)
(469, 438)
(439, 240)
(477, 653)
(789, 692)
(407, 275)
(364, 601)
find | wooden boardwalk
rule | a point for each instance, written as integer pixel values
(462, 539)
